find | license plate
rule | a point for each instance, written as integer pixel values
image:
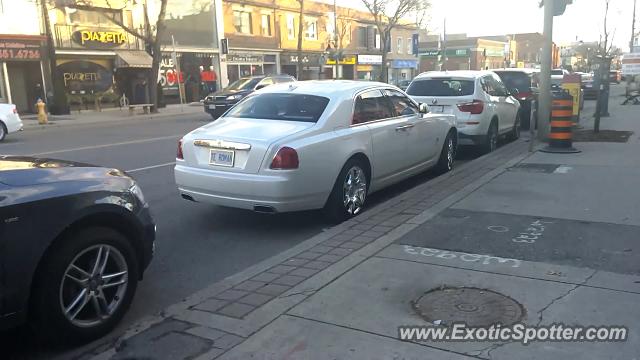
(212, 107)
(222, 157)
(437, 108)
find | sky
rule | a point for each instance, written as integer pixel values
(582, 20)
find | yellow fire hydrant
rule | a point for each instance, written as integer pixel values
(42, 112)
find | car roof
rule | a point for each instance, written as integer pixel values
(520, 70)
(326, 88)
(463, 74)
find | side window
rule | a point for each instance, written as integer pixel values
(265, 82)
(402, 105)
(371, 106)
(499, 87)
(488, 85)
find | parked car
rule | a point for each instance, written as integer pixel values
(483, 106)
(615, 76)
(9, 120)
(312, 145)
(217, 103)
(526, 81)
(557, 75)
(590, 91)
(75, 240)
(404, 84)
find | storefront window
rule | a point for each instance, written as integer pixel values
(245, 70)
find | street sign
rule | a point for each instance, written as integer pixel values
(224, 46)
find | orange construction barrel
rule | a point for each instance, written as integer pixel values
(561, 124)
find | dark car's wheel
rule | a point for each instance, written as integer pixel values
(447, 154)
(85, 286)
(3, 131)
(349, 192)
(491, 141)
(515, 132)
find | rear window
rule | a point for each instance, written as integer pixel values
(557, 72)
(271, 106)
(516, 80)
(441, 87)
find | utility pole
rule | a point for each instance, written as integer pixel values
(633, 27)
(544, 99)
(444, 46)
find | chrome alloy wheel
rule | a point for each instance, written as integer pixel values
(451, 153)
(94, 285)
(354, 190)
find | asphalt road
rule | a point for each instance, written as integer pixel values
(197, 244)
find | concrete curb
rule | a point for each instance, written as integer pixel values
(283, 303)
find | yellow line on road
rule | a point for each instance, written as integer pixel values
(140, 141)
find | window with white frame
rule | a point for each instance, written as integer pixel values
(399, 45)
(242, 21)
(291, 27)
(311, 29)
(409, 46)
(265, 25)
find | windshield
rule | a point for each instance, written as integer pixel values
(292, 107)
(441, 87)
(243, 84)
(516, 80)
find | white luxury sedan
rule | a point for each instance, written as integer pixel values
(9, 120)
(485, 109)
(311, 145)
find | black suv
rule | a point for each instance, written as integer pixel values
(525, 81)
(74, 241)
(219, 102)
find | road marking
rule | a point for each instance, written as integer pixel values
(562, 169)
(151, 167)
(140, 141)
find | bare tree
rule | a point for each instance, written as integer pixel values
(300, 35)
(343, 27)
(387, 15)
(151, 34)
(605, 55)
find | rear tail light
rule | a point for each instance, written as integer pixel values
(286, 158)
(15, 110)
(179, 154)
(474, 107)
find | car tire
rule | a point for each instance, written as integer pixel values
(447, 154)
(338, 208)
(514, 134)
(3, 131)
(491, 141)
(58, 287)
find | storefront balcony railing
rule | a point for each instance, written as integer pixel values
(95, 38)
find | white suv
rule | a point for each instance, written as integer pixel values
(9, 120)
(483, 106)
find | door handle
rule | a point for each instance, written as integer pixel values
(404, 127)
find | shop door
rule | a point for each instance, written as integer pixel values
(18, 86)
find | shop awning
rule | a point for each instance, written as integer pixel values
(133, 59)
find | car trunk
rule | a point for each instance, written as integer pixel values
(237, 144)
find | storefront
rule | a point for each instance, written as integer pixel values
(199, 75)
(21, 71)
(249, 64)
(369, 67)
(344, 68)
(313, 65)
(402, 70)
(86, 77)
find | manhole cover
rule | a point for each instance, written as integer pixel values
(474, 307)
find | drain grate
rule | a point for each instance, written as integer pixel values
(535, 168)
(473, 306)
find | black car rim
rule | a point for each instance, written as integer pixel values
(93, 286)
(493, 139)
(354, 190)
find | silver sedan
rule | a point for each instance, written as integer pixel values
(312, 145)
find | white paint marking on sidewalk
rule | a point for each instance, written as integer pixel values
(151, 167)
(140, 141)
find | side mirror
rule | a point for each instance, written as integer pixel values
(423, 108)
(261, 86)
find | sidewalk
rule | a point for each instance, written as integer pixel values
(451, 250)
(109, 115)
